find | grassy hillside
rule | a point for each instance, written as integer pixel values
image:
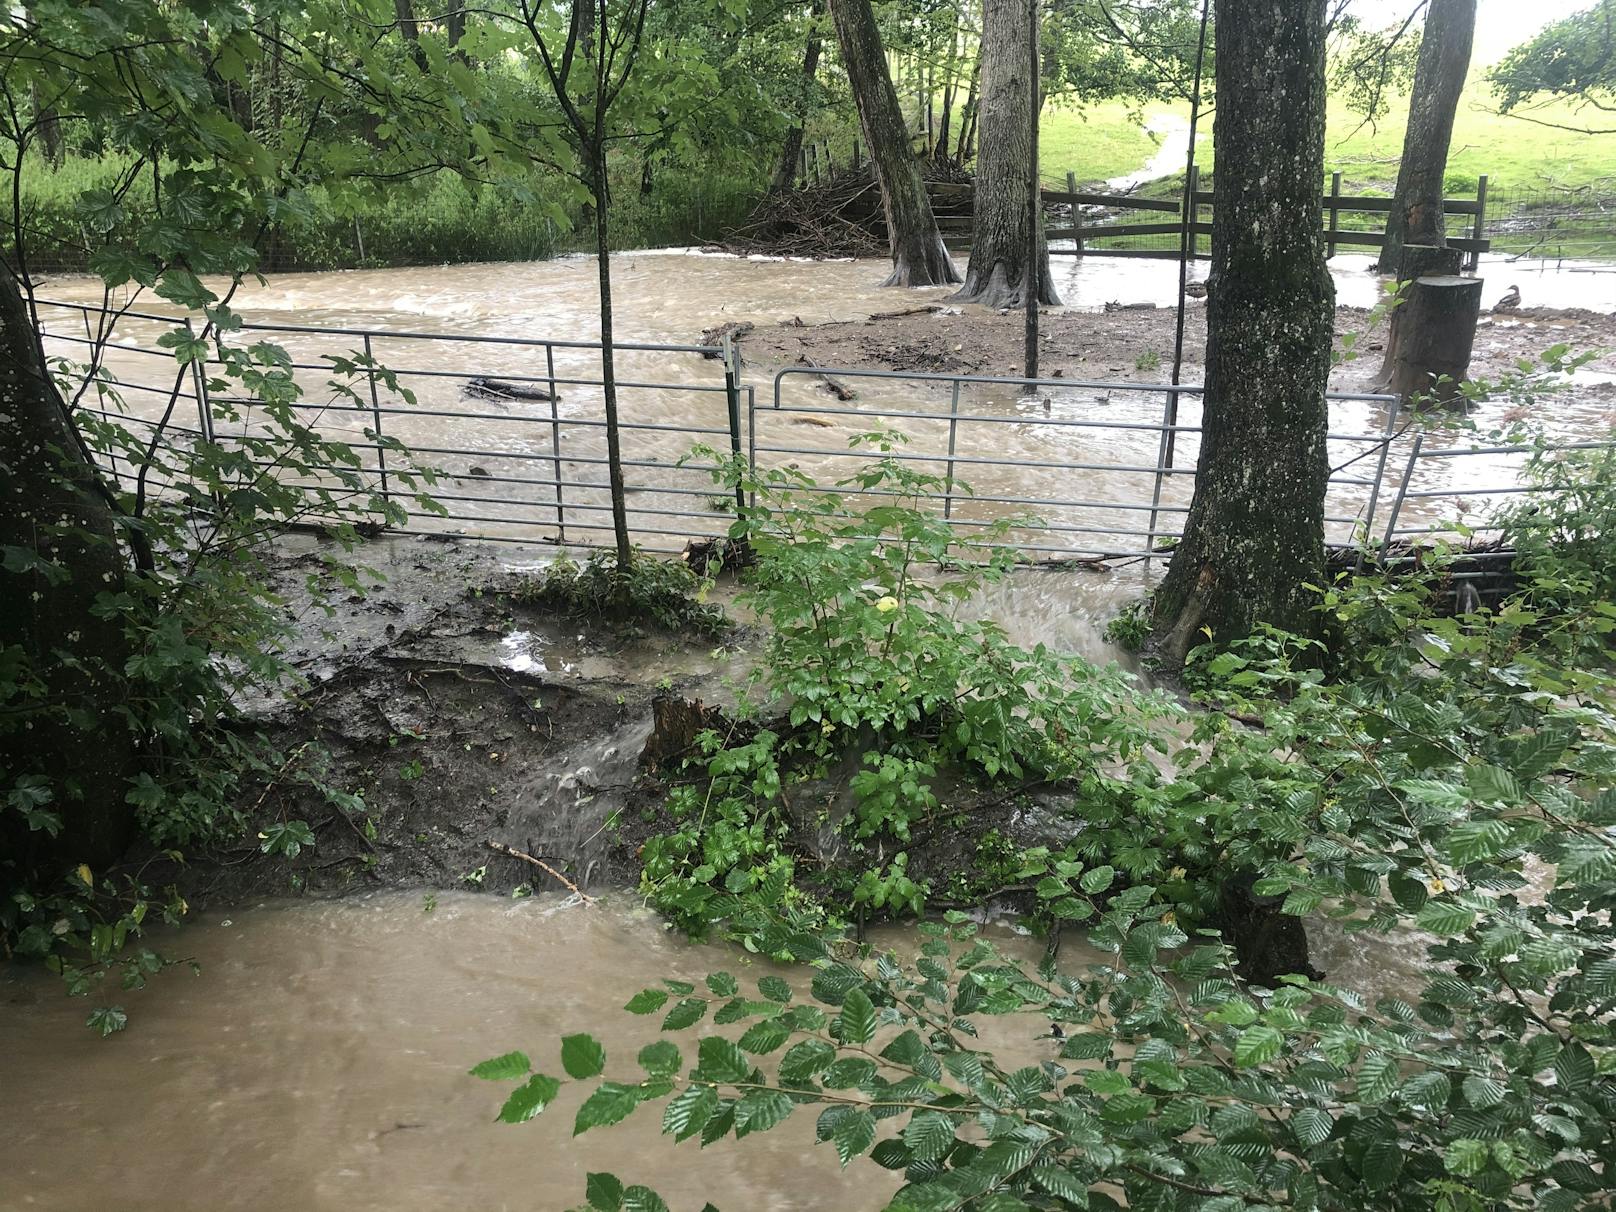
(1517, 155)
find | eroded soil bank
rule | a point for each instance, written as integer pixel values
(1135, 344)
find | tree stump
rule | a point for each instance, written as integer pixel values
(1434, 330)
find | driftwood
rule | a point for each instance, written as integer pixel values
(504, 389)
(1113, 305)
(927, 310)
(836, 388)
(841, 216)
(708, 556)
(734, 330)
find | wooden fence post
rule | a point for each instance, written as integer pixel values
(813, 159)
(1335, 211)
(1077, 215)
(1479, 230)
(857, 162)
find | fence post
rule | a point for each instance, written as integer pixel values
(376, 417)
(732, 397)
(555, 444)
(1077, 214)
(199, 385)
(953, 433)
(751, 436)
(1164, 455)
(1380, 476)
(1402, 491)
(1335, 211)
(858, 163)
(1193, 215)
(1479, 230)
(830, 162)
(812, 154)
(802, 163)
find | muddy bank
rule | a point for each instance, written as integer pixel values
(459, 716)
(1129, 344)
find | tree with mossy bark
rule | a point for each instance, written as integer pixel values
(919, 257)
(1001, 242)
(1416, 216)
(1254, 538)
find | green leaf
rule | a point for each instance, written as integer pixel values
(503, 1068)
(1444, 918)
(686, 1013)
(1062, 1184)
(719, 1060)
(528, 1099)
(582, 1056)
(764, 1037)
(1257, 1046)
(604, 1192)
(805, 1059)
(688, 1112)
(854, 1134)
(643, 1199)
(1097, 879)
(775, 989)
(646, 1001)
(1312, 1126)
(1382, 1163)
(660, 1059)
(856, 1023)
(723, 984)
(929, 1135)
(1466, 1157)
(611, 1103)
(1377, 1077)
(760, 1110)
(1482, 1092)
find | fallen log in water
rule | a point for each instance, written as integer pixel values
(505, 389)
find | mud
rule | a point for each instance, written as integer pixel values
(1135, 344)
(461, 717)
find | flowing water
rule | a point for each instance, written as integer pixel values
(1082, 457)
(318, 1061)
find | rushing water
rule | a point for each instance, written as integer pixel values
(319, 1060)
(1081, 457)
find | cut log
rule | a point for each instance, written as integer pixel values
(1428, 357)
(1434, 329)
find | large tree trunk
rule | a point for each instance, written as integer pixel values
(962, 149)
(918, 255)
(53, 510)
(785, 173)
(1439, 78)
(1254, 537)
(49, 126)
(1001, 239)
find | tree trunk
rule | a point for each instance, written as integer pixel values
(49, 126)
(608, 369)
(1254, 537)
(1001, 214)
(939, 152)
(1416, 215)
(454, 26)
(52, 509)
(410, 28)
(785, 173)
(968, 112)
(918, 255)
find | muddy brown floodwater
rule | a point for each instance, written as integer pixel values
(318, 1062)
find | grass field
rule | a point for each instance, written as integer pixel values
(1106, 141)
